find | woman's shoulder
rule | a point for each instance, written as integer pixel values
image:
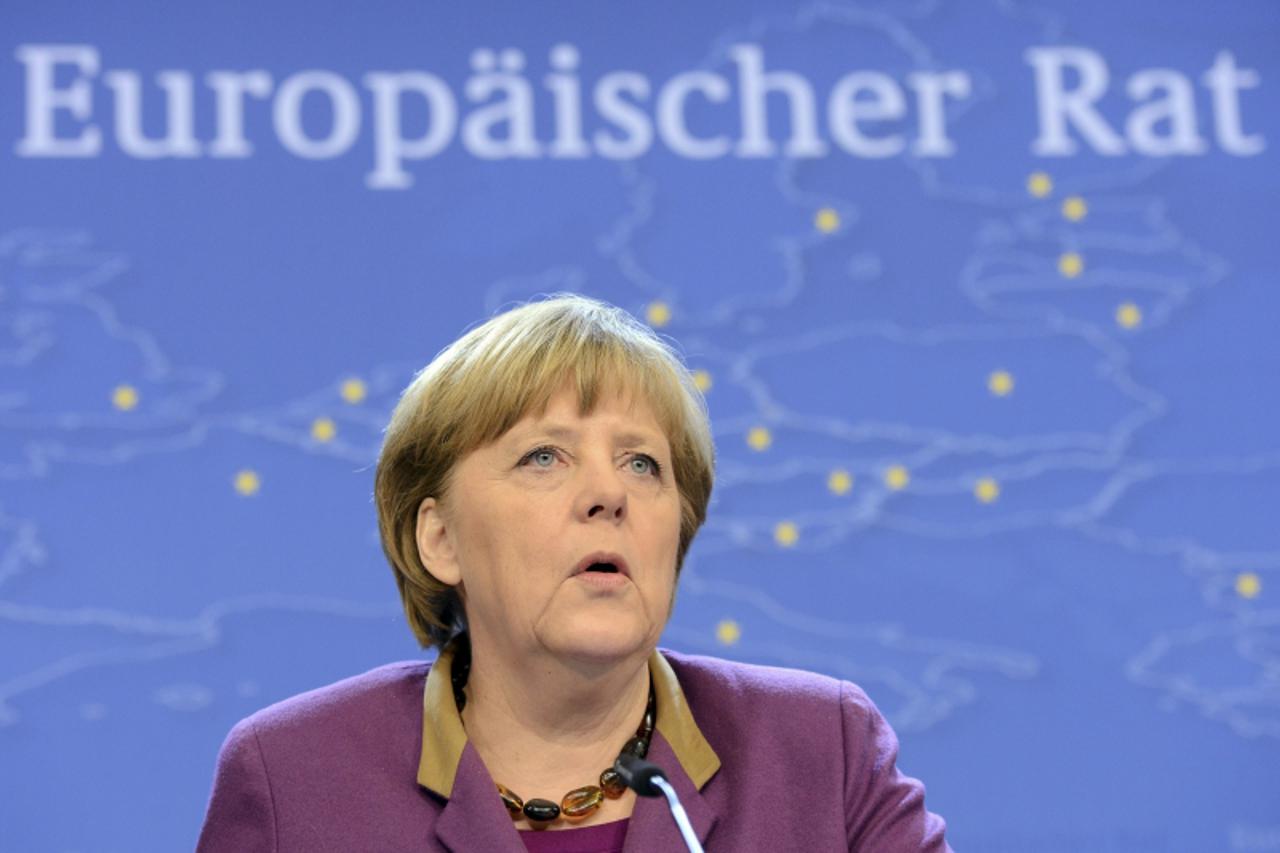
(391, 692)
(779, 729)
(774, 717)
(332, 768)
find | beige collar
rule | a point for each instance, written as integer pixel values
(443, 737)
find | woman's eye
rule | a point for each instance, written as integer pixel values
(542, 457)
(645, 464)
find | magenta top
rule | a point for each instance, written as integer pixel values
(605, 838)
(802, 762)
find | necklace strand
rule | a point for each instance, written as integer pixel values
(579, 802)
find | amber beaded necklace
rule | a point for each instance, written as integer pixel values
(579, 802)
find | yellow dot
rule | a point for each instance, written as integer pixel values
(1074, 208)
(247, 482)
(323, 429)
(728, 632)
(124, 397)
(1039, 184)
(702, 380)
(839, 481)
(353, 391)
(1000, 383)
(785, 533)
(1129, 315)
(897, 477)
(1248, 585)
(826, 220)
(658, 314)
(986, 490)
(1070, 264)
(759, 438)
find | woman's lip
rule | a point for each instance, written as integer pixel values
(604, 580)
(603, 557)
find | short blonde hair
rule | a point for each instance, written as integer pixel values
(482, 384)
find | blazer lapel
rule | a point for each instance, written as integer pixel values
(652, 825)
(474, 818)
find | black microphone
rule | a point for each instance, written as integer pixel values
(648, 780)
(639, 775)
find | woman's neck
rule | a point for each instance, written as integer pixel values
(545, 727)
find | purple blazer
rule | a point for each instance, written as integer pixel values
(763, 758)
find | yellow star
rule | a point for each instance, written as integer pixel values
(247, 482)
(826, 220)
(1248, 585)
(786, 533)
(1129, 316)
(1070, 264)
(897, 477)
(1000, 383)
(839, 481)
(1074, 208)
(323, 429)
(759, 438)
(353, 391)
(658, 314)
(986, 490)
(124, 397)
(702, 380)
(728, 632)
(1039, 184)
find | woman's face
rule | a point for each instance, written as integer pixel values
(526, 511)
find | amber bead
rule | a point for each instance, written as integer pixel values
(637, 746)
(612, 785)
(581, 802)
(539, 810)
(514, 804)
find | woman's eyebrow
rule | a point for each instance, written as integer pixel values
(567, 433)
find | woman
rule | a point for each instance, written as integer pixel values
(538, 487)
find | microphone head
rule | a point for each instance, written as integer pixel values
(639, 775)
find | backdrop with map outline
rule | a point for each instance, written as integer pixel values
(997, 431)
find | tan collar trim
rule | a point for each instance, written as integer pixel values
(443, 737)
(677, 725)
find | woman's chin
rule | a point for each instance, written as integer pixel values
(597, 639)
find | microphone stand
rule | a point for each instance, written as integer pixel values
(648, 780)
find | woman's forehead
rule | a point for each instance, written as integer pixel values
(564, 410)
(624, 397)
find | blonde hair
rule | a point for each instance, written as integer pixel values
(482, 384)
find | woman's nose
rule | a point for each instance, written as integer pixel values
(603, 494)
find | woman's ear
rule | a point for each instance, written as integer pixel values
(435, 543)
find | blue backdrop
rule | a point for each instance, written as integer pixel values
(982, 296)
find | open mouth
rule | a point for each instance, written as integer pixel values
(603, 563)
